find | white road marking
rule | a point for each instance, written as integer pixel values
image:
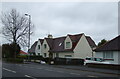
(30, 77)
(9, 70)
(74, 73)
(91, 76)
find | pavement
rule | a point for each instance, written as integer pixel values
(90, 69)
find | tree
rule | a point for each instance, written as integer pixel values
(9, 49)
(103, 41)
(16, 27)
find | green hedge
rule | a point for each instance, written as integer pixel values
(22, 57)
(14, 60)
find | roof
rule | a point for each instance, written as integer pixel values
(50, 42)
(112, 45)
(32, 49)
(23, 53)
(75, 39)
(57, 44)
(90, 41)
(41, 41)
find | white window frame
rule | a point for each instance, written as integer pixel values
(108, 55)
(45, 46)
(38, 46)
(67, 46)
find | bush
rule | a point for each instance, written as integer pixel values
(13, 60)
(23, 57)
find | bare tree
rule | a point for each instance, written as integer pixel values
(16, 27)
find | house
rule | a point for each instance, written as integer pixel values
(37, 48)
(32, 49)
(110, 51)
(70, 46)
(23, 53)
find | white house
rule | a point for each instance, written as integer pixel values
(110, 51)
(70, 46)
(38, 47)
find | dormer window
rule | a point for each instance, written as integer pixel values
(67, 44)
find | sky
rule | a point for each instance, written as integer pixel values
(99, 20)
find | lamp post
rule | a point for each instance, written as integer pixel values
(29, 31)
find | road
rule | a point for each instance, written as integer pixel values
(38, 71)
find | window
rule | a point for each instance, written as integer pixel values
(67, 56)
(60, 44)
(57, 54)
(44, 54)
(34, 54)
(67, 44)
(38, 54)
(38, 46)
(108, 55)
(98, 59)
(45, 46)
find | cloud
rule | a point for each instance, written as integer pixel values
(96, 19)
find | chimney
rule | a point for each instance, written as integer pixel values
(50, 36)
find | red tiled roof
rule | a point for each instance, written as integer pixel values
(112, 45)
(23, 53)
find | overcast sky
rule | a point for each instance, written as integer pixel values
(98, 20)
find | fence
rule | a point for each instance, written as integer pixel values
(68, 61)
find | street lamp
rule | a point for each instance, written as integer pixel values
(29, 30)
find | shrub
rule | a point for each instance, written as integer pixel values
(23, 57)
(13, 60)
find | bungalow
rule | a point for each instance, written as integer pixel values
(110, 51)
(70, 46)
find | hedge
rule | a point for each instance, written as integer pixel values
(14, 60)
